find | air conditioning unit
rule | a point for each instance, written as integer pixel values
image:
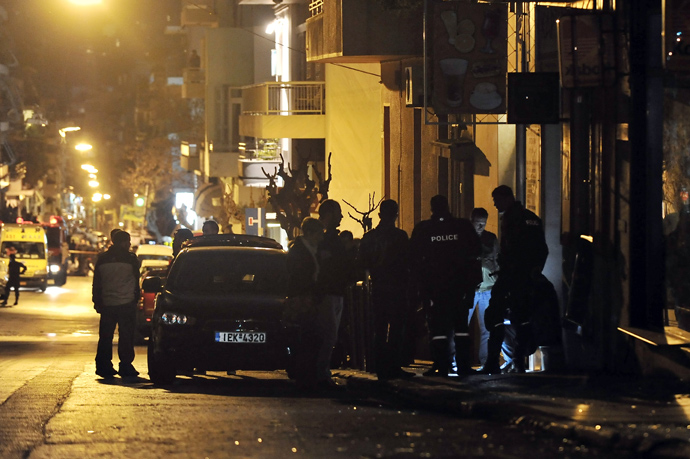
(414, 86)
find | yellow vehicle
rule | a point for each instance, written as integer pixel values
(28, 242)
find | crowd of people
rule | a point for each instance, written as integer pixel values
(452, 266)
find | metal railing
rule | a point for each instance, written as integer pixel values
(193, 75)
(286, 98)
(315, 7)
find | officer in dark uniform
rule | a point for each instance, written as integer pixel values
(521, 260)
(383, 251)
(446, 264)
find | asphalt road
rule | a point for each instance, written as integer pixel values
(52, 405)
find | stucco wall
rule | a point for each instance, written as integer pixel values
(353, 135)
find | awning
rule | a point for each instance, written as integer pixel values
(208, 200)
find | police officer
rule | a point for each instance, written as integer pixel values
(383, 251)
(522, 256)
(446, 264)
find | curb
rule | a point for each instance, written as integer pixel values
(446, 400)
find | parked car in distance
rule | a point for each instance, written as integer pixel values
(154, 256)
(147, 304)
(221, 309)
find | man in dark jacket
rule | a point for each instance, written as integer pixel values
(384, 253)
(115, 294)
(14, 271)
(446, 264)
(336, 272)
(522, 256)
(303, 271)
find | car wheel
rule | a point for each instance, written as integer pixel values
(44, 286)
(161, 369)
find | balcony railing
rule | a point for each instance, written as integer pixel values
(315, 7)
(199, 13)
(287, 98)
(193, 83)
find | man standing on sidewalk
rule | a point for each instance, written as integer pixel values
(14, 271)
(336, 272)
(521, 260)
(115, 294)
(384, 252)
(445, 261)
(489, 269)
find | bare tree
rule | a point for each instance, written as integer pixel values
(365, 221)
(294, 200)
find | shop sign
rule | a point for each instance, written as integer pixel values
(586, 50)
(468, 66)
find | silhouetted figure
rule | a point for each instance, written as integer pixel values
(115, 294)
(384, 252)
(445, 263)
(194, 60)
(336, 272)
(210, 227)
(521, 260)
(181, 235)
(303, 300)
(14, 270)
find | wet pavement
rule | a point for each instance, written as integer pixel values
(646, 416)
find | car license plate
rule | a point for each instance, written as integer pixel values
(22, 283)
(240, 337)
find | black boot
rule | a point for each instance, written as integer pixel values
(462, 354)
(492, 366)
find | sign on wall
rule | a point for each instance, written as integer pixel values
(468, 57)
(587, 50)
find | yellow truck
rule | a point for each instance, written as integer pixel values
(28, 242)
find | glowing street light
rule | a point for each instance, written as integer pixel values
(89, 168)
(93, 183)
(96, 197)
(86, 2)
(83, 147)
(64, 130)
(106, 196)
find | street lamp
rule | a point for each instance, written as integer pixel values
(93, 183)
(89, 168)
(64, 130)
(86, 2)
(83, 147)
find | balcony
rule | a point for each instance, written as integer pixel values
(189, 157)
(199, 13)
(252, 170)
(361, 31)
(294, 110)
(193, 83)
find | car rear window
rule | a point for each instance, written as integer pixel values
(251, 271)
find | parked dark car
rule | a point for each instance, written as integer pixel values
(220, 310)
(147, 303)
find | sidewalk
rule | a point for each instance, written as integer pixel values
(647, 416)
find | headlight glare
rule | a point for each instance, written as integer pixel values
(171, 318)
(54, 269)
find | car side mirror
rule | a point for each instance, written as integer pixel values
(152, 284)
